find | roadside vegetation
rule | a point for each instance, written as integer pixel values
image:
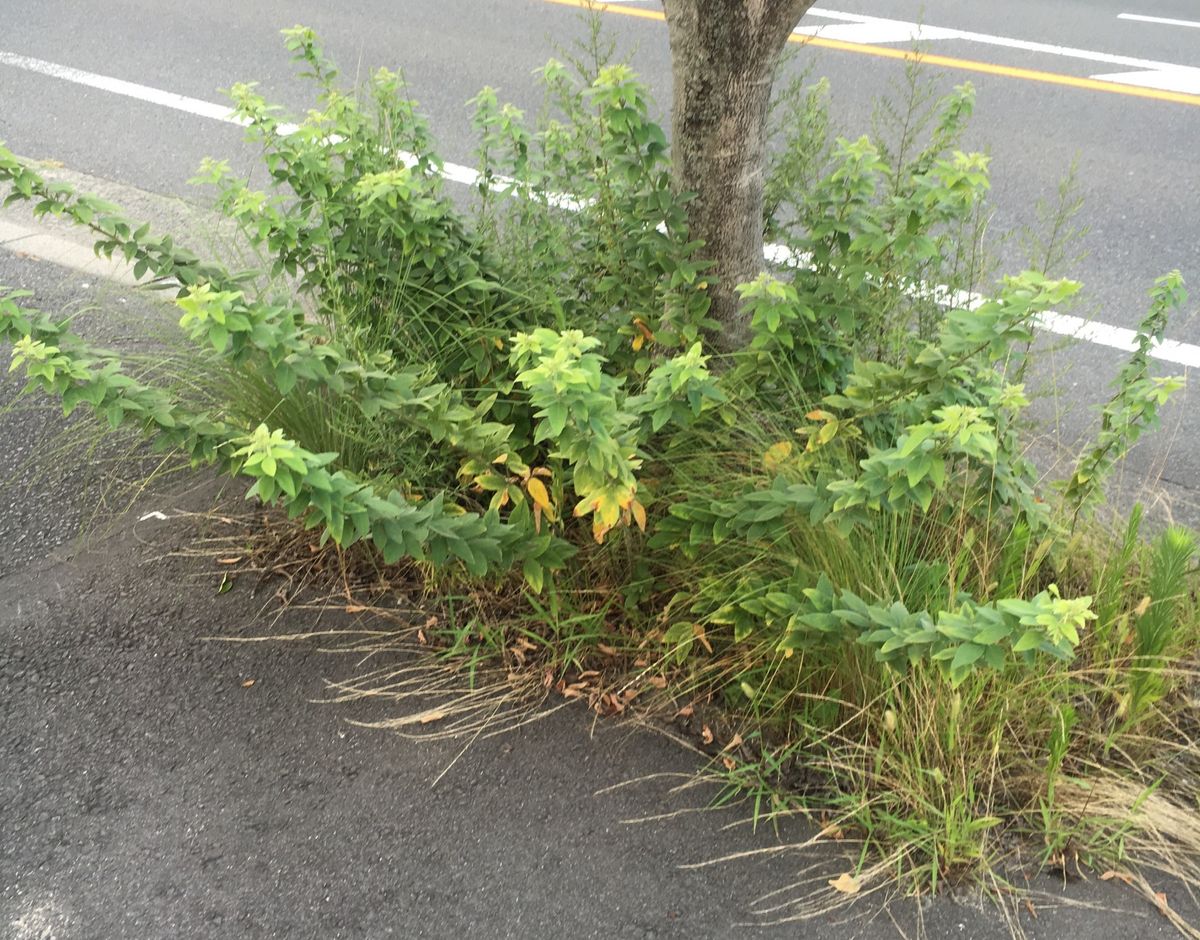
(818, 543)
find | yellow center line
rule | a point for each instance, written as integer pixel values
(926, 58)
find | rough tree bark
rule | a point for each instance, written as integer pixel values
(723, 59)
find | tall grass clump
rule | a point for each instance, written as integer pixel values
(830, 535)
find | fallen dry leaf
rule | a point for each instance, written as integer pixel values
(832, 831)
(685, 712)
(421, 638)
(706, 734)
(641, 662)
(729, 763)
(435, 715)
(247, 683)
(1119, 875)
(1160, 898)
(606, 649)
(431, 622)
(659, 682)
(355, 608)
(1032, 910)
(735, 741)
(699, 634)
(589, 673)
(229, 561)
(845, 883)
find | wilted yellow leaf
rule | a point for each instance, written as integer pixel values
(639, 514)
(538, 493)
(699, 634)
(845, 883)
(776, 454)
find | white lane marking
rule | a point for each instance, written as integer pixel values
(941, 32)
(120, 87)
(1100, 334)
(1184, 78)
(1164, 20)
(875, 32)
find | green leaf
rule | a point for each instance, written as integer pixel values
(965, 656)
(1030, 640)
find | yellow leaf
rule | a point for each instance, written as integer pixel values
(638, 342)
(540, 496)
(502, 459)
(776, 454)
(699, 634)
(845, 883)
(639, 516)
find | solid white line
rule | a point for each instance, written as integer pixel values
(943, 32)
(1101, 334)
(119, 87)
(1165, 20)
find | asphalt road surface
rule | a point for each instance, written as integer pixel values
(263, 816)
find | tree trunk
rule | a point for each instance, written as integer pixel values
(723, 59)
